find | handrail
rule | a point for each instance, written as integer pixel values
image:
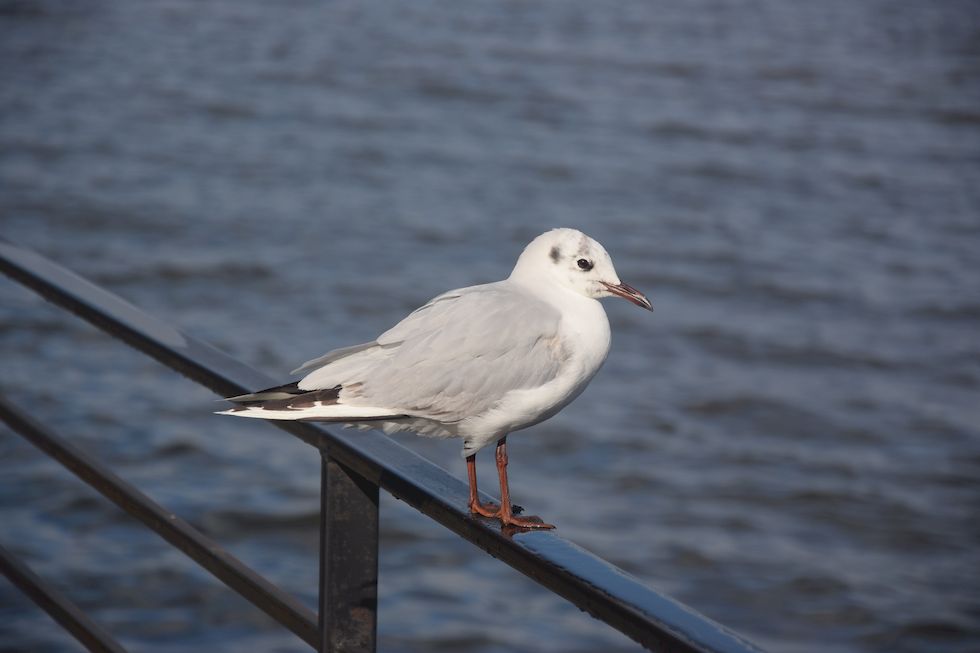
(206, 552)
(589, 582)
(60, 607)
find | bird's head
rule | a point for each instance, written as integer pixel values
(572, 260)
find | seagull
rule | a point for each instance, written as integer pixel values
(476, 363)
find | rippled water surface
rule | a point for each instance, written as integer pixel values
(790, 443)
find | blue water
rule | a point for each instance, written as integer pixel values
(790, 443)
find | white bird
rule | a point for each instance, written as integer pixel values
(476, 363)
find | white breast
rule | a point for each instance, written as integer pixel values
(584, 339)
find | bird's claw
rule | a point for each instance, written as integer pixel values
(488, 509)
(509, 521)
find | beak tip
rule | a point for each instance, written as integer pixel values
(632, 294)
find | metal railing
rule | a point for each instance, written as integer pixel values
(354, 467)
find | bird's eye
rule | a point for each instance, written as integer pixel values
(584, 264)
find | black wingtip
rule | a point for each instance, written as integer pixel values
(276, 393)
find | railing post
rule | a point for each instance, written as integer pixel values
(348, 560)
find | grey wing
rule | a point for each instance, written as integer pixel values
(461, 353)
(458, 355)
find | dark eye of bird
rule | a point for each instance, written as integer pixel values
(584, 264)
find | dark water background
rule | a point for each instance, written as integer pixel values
(790, 443)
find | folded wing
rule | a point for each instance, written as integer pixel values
(456, 356)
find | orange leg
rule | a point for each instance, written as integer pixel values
(477, 508)
(505, 515)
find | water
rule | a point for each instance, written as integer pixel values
(790, 443)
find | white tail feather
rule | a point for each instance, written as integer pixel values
(330, 412)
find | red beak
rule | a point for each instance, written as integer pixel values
(627, 291)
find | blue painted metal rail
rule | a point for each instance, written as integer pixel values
(354, 467)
